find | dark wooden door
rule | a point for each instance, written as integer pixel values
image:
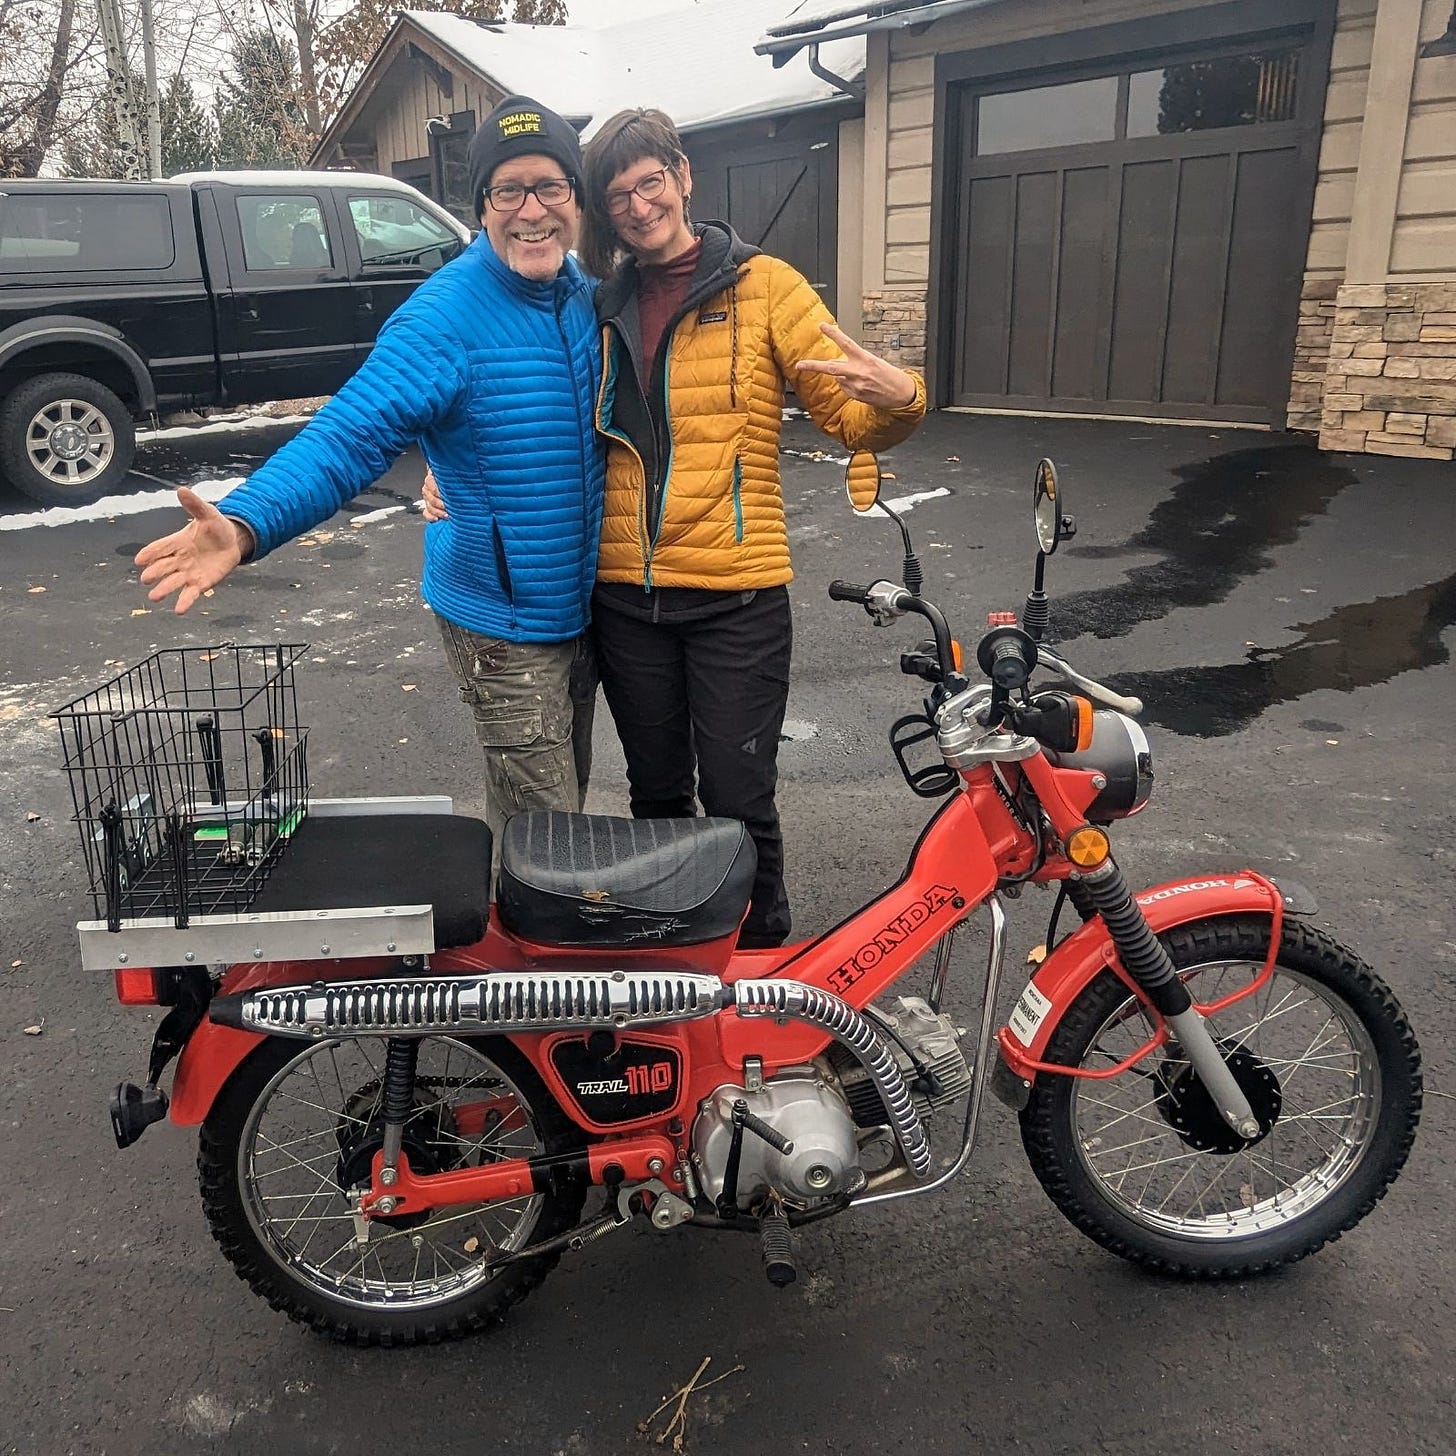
(1151, 274)
(780, 194)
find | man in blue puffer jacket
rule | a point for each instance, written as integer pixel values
(493, 365)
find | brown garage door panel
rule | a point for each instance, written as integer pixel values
(1078, 360)
(1148, 275)
(1258, 279)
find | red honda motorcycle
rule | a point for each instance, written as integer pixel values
(407, 1092)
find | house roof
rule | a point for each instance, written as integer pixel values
(695, 61)
(824, 22)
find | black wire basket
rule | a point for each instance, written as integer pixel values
(189, 774)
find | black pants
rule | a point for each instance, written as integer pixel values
(699, 705)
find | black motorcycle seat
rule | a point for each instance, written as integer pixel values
(353, 861)
(598, 881)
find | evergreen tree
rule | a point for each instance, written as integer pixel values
(189, 142)
(259, 121)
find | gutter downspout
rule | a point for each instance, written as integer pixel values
(856, 89)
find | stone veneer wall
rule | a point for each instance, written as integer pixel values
(893, 326)
(1390, 381)
(1312, 352)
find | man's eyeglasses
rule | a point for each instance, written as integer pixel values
(511, 196)
(648, 187)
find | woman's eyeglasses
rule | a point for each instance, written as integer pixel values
(511, 196)
(648, 187)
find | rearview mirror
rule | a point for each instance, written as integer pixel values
(862, 481)
(1047, 507)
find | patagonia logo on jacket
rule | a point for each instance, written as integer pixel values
(715, 316)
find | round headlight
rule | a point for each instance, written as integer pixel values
(1119, 751)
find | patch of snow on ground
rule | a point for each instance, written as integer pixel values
(116, 505)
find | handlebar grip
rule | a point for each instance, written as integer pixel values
(1009, 666)
(847, 591)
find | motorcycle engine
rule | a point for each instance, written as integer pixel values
(831, 1112)
(805, 1108)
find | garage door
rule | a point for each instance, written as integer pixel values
(779, 193)
(1130, 242)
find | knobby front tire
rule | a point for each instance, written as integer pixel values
(1141, 1165)
(297, 1126)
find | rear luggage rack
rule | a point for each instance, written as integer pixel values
(188, 773)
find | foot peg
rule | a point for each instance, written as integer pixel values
(134, 1109)
(778, 1249)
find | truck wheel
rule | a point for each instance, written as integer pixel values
(65, 440)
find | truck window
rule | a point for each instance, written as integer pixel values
(396, 230)
(283, 232)
(72, 232)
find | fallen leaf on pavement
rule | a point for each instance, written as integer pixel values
(32, 590)
(36, 1029)
(409, 687)
(141, 611)
(16, 965)
(31, 816)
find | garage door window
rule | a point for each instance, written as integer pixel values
(1248, 89)
(1047, 116)
(1201, 95)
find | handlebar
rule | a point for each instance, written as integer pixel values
(1052, 659)
(885, 602)
(1010, 655)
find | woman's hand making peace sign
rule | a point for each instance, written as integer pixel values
(862, 375)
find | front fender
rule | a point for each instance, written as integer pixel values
(1073, 965)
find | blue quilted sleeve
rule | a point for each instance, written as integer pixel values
(412, 378)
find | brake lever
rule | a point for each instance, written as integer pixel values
(1050, 658)
(882, 603)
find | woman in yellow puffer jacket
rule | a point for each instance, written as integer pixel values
(701, 331)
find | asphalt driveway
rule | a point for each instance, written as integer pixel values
(1288, 617)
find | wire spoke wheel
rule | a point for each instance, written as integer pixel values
(1145, 1164)
(291, 1144)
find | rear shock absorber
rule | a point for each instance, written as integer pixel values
(1146, 960)
(397, 1103)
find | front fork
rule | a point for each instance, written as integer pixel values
(1149, 966)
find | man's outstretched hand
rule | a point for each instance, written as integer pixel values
(193, 560)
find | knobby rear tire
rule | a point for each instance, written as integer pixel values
(303, 1295)
(1091, 1163)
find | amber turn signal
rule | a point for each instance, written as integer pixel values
(956, 656)
(1088, 846)
(1084, 712)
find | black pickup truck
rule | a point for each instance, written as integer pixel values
(124, 301)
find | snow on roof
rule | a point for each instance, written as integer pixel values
(280, 177)
(810, 21)
(694, 60)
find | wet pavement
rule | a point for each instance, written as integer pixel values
(1288, 618)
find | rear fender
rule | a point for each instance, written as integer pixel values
(213, 1053)
(1082, 956)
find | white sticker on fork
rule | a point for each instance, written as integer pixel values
(1030, 1012)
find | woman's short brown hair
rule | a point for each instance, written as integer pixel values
(623, 140)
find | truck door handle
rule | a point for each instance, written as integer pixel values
(364, 302)
(248, 311)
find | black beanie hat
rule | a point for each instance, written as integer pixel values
(520, 127)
